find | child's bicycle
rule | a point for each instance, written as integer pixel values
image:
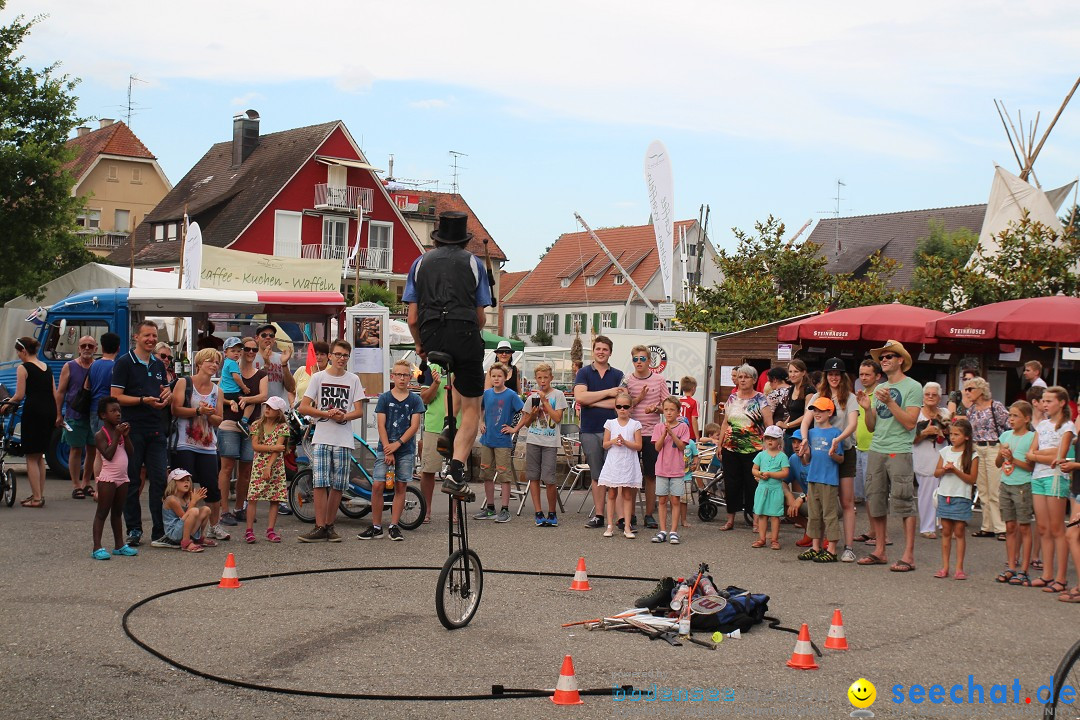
(356, 498)
(1068, 674)
(7, 475)
(461, 580)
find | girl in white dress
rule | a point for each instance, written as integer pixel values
(622, 471)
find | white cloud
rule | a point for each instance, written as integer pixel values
(865, 76)
(246, 99)
(430, 104)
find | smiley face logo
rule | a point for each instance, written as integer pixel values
(862, 693)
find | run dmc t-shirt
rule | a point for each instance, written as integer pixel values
(329, 392)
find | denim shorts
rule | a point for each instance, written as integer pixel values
(330, 467)
(234, 444)
(954, 508)
(404, 463)
(670, 486)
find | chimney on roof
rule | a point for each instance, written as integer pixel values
(82, 130)
(105, 122)
(245, 136)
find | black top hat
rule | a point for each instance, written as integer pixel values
(451, 230)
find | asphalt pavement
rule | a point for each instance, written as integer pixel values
(65, 653)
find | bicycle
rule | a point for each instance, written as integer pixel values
(7, 444)
(461, 580)
(356, 498)
(1067, 673)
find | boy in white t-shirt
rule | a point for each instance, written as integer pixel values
(332, 397)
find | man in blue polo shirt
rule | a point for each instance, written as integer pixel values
(140, 384)
(595, 388)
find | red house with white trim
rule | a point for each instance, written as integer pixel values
(294, 193)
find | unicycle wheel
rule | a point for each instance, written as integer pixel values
(461, 583)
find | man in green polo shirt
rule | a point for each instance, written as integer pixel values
(891, 414)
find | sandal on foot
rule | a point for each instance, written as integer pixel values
(191, 546)
(89, 491)
(1005, 576)
(1055, 587)
(960, 575)
(249, 536)
(758, 544)
(272, 536)
(32, 503)
(941, 574)
(207, 542)
(775, 545)
(1072, 596)
(872, 559)
(78, 494)
(1041, 582)
(1020, 579)
(862, 538)
(1036, 565)
(901, 566)
(101, 554)
(729, 525)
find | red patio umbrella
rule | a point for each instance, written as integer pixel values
(1044, 320)
(873, 323)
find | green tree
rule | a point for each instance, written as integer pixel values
(1032, 260)
(542, 337)
(765, 279)
(37, 211)
(940, 259)
(369, 292)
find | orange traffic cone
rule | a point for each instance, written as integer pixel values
(836, 639)
(581, 578)
(229, 578)
(566, 692)
(803, 656)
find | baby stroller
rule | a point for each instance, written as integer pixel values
(711, 495)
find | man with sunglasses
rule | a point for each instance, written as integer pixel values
(140, 384)
(595, 388)
(447, 291)
(76, 424)
(891, 415)
(281, 382)
(647, 390)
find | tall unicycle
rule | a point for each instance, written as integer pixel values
(461, 580)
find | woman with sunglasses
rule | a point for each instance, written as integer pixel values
(505, 355)
(164, 353)
(234, 447)
(34, 384)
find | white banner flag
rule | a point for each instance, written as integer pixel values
(193, 257)
(661, 188)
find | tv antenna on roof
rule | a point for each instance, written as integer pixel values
(132, 79)
(455, 155)
(835, 213)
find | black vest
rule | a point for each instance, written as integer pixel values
(446, 286)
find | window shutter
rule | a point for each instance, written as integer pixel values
(555, 324)
(613, 317)
(528, 325)
(649, 321)
(596, 322)
(567, 330)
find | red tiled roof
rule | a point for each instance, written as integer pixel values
(115, 139)
(634, 246)
(509, 281)
(450, 202)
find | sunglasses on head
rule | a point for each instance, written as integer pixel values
(622, 407)
(889, 356)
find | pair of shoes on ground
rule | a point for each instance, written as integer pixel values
(488, 513)
(550, 520)
(626, 534)
(320, 533)
(672, 537)
(123, 550)
(271, 535)
(375, 533)
(818, 556)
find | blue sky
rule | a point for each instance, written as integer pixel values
(762, 109)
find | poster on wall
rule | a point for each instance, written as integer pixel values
(367, 335)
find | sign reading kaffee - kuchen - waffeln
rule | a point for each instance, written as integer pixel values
(238, 270)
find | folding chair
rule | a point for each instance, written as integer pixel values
(576, 468)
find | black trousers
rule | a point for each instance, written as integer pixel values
(739, 483)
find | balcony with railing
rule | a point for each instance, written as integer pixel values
(346, 199)
(377, 259)
(103, 240)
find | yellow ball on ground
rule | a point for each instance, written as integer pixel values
(718, 637)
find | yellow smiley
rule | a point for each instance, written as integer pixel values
(862, 693)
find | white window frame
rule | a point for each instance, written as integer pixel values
(116, 221)
(336, 243)
(113, 173)
(159, 233)
(171, 230)
(591, 280)
(565, 282)
(337, 176)
(605, 320)
(285, 246)
(548, 320)
(521, 325)
(579, 323)
(385, 231)
(620, 279)
(89, 219)
(136, 175)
